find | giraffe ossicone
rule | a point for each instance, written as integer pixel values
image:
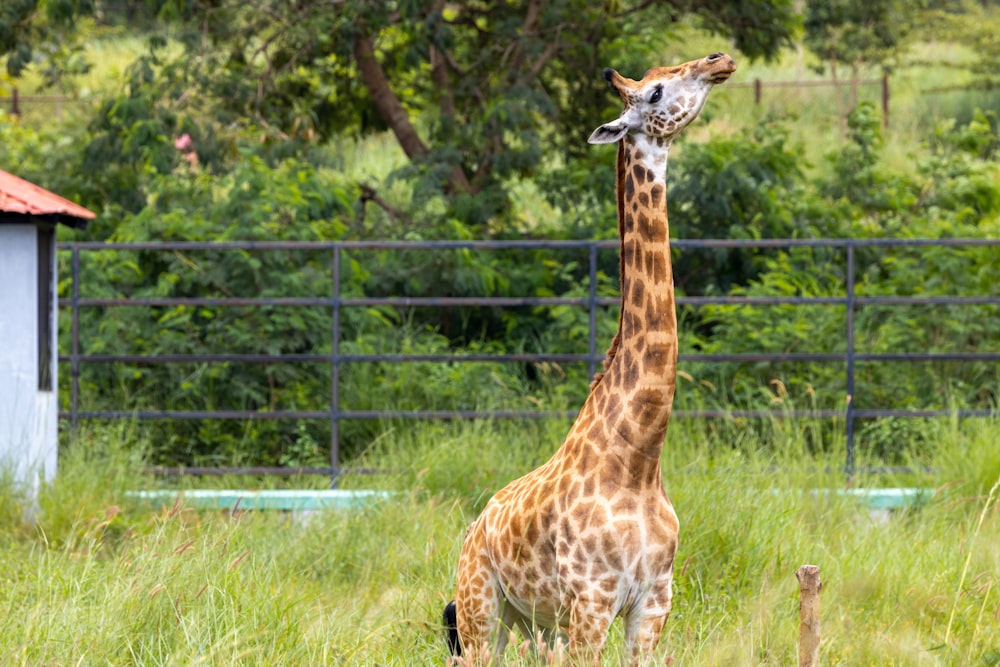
(590, 535)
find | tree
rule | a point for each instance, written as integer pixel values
(855, 33)
(44, 34)
(475, 93)
(972, 24)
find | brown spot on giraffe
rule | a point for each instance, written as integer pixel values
(657, 359)
(647, 405)
(590, 534)
(655, 193)
(638, 297)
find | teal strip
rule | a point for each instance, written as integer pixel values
(272, 499)
(890, 499)
(342, 499)
(877, 499)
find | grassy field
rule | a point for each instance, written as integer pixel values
(102, 579)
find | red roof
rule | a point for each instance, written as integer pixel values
(19, 196)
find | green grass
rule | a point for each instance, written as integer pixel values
(104, 580)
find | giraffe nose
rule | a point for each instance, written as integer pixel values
(714, 56)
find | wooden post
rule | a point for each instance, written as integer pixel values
(756, 91)
(809, 587)
(15, 107)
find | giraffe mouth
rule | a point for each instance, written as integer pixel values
(723, 65)
(721, 77)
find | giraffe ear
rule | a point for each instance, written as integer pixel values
(609, 133)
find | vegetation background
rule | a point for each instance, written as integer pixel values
(436, 120)
(361, 120)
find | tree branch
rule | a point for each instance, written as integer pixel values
(384, 99)
(368, 194)
(528, 30)
(532, 72)
(439, 69)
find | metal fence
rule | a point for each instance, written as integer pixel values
(337, 302)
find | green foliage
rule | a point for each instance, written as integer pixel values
(239, 124)
(289, 202)
(962, 182)
(135, 138)
(967, 22)
(746, 186)
(49, 157)
(953, 193)
(855, 32)
(736, 188)
(44, 33)
(863, 183)
(472, 92)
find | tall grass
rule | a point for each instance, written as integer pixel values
(103, 579)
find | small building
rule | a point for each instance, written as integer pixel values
(29, 401)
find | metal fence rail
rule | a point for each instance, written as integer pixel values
(337, 303)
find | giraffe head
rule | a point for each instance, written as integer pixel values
(665, 100)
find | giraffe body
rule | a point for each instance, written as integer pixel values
(590, 535)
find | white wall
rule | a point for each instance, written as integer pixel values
(28, 417)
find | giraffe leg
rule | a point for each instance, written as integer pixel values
(589, 621)
(482, 635)
(478, 604)
(644, 627)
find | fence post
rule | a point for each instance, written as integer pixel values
(885, 101)
(756, 91)
(592, 314)
(809, 628)
(15, 107)
(849, 465)
(335, 369)
(74, 357)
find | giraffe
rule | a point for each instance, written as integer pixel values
(590, 535)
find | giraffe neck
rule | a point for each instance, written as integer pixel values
(647, 280)
(642, 371)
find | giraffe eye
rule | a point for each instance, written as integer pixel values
(655, 97)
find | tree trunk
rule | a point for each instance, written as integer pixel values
(385, 100)
(391, 109)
